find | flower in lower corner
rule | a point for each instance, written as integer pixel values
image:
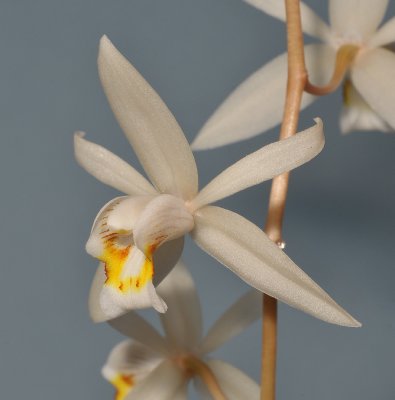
(138, 238)
(369, 89)
(150, 366)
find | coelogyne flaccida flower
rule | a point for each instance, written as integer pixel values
(141, 233)
(353, 46)
(150, 366)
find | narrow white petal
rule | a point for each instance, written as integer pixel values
(128, 364)
(165, 218)
(150, 127)
(247, 251)
(356, 19)
(164, 383)
(357, 115)
(257, 104)
(312, 24)
(246, 310)
(373, 75)
(264, 164)
(109, 168)
(183, 320)
(136, 327)
(385, 35)
(235, 384)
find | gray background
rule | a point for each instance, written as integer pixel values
(338, 226)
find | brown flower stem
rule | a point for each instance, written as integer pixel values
(344, 57)
(194, 366)
(297, 78)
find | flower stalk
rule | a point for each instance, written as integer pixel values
(297, 78)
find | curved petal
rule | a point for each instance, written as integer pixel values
(164, 383)
(312, 24)
(165, 218)
(385, 35)
(356, 19)
(155, 135)
(247, 251)
(264, 164)
(357, 115)
(257, 104)
(183, 320)
(164, 260)
(373, 75)
(235, 384)
(246, 310)
(127, 365)
(109, 168)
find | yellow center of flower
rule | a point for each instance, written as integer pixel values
(123, 385)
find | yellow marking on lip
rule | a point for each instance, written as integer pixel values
(123, 385)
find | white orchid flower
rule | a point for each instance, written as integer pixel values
(369, 93)
(147, 226)
(151, 366)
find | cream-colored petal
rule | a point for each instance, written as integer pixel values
(373, 75)
(150, 127)
(246, 310)
(264, 164)
(183, 320)
(109, 168)
(165, 218)
(312, 24)
(385, 35)
(357, 115)
(257, 104)
(247, 251)
(164, 383)
(356, 19)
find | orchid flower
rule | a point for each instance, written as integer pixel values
(132, 233)
(151, 366)
(369, 88)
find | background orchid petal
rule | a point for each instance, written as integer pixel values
(373, 75)
(264, 164)
(108, 168)
(183, 320)
(356, 17)
(256, 105)
(312, 24)
(384, 35)
(246, 310)
(163, 383)
(248, 252)
(235, 384)
(150, 127)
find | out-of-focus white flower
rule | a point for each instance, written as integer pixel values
(257, 104)
(146, 227)
(159, 368)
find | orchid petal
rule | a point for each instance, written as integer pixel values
(164, 260)
(312, 24)
(264, 164)
(247, 251)
(164, 383)
(385, 35)
(373, 75)
(257, 104)
(356, 18)
(127, 365)
(183, 320)
(234, 383)
(153, 132)
(165, 218)
(109, 168)
(246, 310)
(358, 115)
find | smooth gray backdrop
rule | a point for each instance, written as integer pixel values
(339, 223)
